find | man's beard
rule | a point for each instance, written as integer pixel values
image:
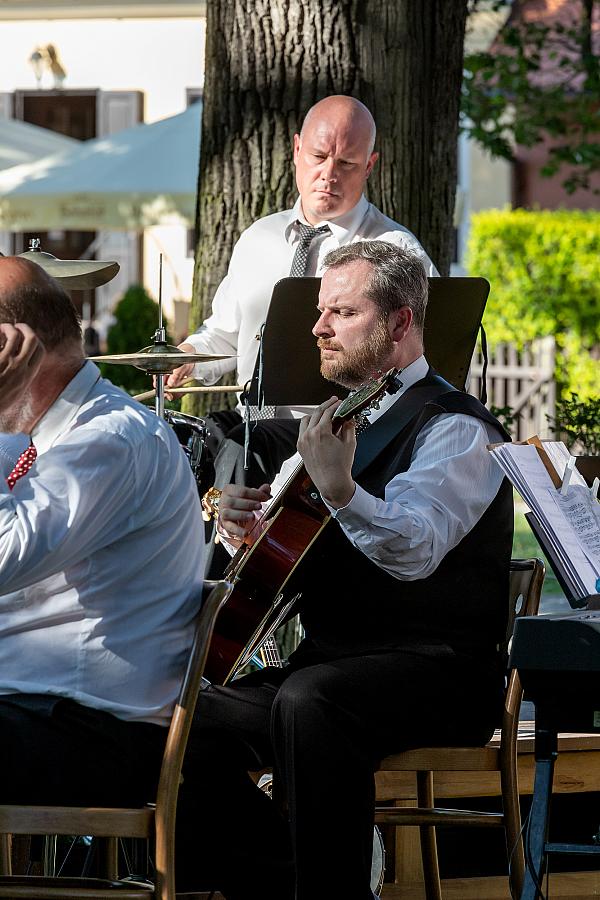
(18, 416)
(358, 365)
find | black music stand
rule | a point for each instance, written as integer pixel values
(291, 359)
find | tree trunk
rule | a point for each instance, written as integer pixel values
(410, 58)
(268, 61)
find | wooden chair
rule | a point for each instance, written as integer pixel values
(526, 578)
(157, 821)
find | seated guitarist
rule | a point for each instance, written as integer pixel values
(404, 604)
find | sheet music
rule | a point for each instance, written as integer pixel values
(559, 457)
(583, 514)
(572, 534)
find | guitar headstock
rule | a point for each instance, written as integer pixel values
(367, 396)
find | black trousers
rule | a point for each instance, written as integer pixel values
(271, 442)
(323, 724)
(57, 752)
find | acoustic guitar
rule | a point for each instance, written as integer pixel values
(264, 596)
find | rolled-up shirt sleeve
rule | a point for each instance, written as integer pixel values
(427, 510)
(218, 335)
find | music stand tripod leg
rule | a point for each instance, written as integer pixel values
(536, 833)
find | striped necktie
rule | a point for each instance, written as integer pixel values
(22, 466)
(307, 235)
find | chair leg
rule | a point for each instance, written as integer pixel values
(109, 858)
(49, 855)
(512, 824)
(5, 849)
(431, 870)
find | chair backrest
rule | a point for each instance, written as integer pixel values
(525, 591)
(215, 596)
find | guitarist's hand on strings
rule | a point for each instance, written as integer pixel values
(239, 508)
(327, 454)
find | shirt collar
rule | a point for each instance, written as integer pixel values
(410, 375)
(343, 228)
(58, 417)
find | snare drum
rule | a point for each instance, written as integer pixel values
(191, 434)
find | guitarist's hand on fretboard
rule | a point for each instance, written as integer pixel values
(239, 509)
(327, 450)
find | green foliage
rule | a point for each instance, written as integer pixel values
(544, 269)
(539, 81)
(506, 416)
(578, 423)
(136, 320)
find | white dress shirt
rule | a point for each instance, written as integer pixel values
(101, 557)
(11, 447)
(428, 509)
(263, 255)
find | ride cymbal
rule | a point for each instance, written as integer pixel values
(73, 274)
(157, 362)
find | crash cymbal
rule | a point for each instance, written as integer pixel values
(159, 361)
(73, 274)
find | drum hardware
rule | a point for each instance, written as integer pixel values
(191, 434)
(210, 503)
(159, 358)
(73, 274)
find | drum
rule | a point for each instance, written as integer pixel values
(377, 862)
(191, 434)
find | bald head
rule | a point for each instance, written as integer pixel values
(347, 113)
(333, 155)
(28, 294)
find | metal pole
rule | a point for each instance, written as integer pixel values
(159, 402)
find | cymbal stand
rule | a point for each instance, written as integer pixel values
(160, 337)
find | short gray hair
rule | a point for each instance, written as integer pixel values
(397, 276)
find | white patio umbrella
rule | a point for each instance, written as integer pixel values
(22, 143)
(142, 176)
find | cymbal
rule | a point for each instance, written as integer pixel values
(73, 274)
(158, 362)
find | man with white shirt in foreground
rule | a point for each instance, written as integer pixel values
(404, 604)
(333, 158)
(101, 565)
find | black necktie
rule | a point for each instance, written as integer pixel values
(307, 235)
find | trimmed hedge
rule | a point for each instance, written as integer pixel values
(544, 271)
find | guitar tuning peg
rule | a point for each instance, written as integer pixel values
(394, 383)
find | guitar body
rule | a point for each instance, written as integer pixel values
(263, 596)
(262, 572)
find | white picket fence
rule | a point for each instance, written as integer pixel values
(523, 380)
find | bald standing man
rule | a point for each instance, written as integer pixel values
(333, 157)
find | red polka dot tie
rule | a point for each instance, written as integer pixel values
(22, 466)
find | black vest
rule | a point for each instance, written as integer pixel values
(353, 605)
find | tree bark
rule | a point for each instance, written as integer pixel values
(268, 61)
(410, 58)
